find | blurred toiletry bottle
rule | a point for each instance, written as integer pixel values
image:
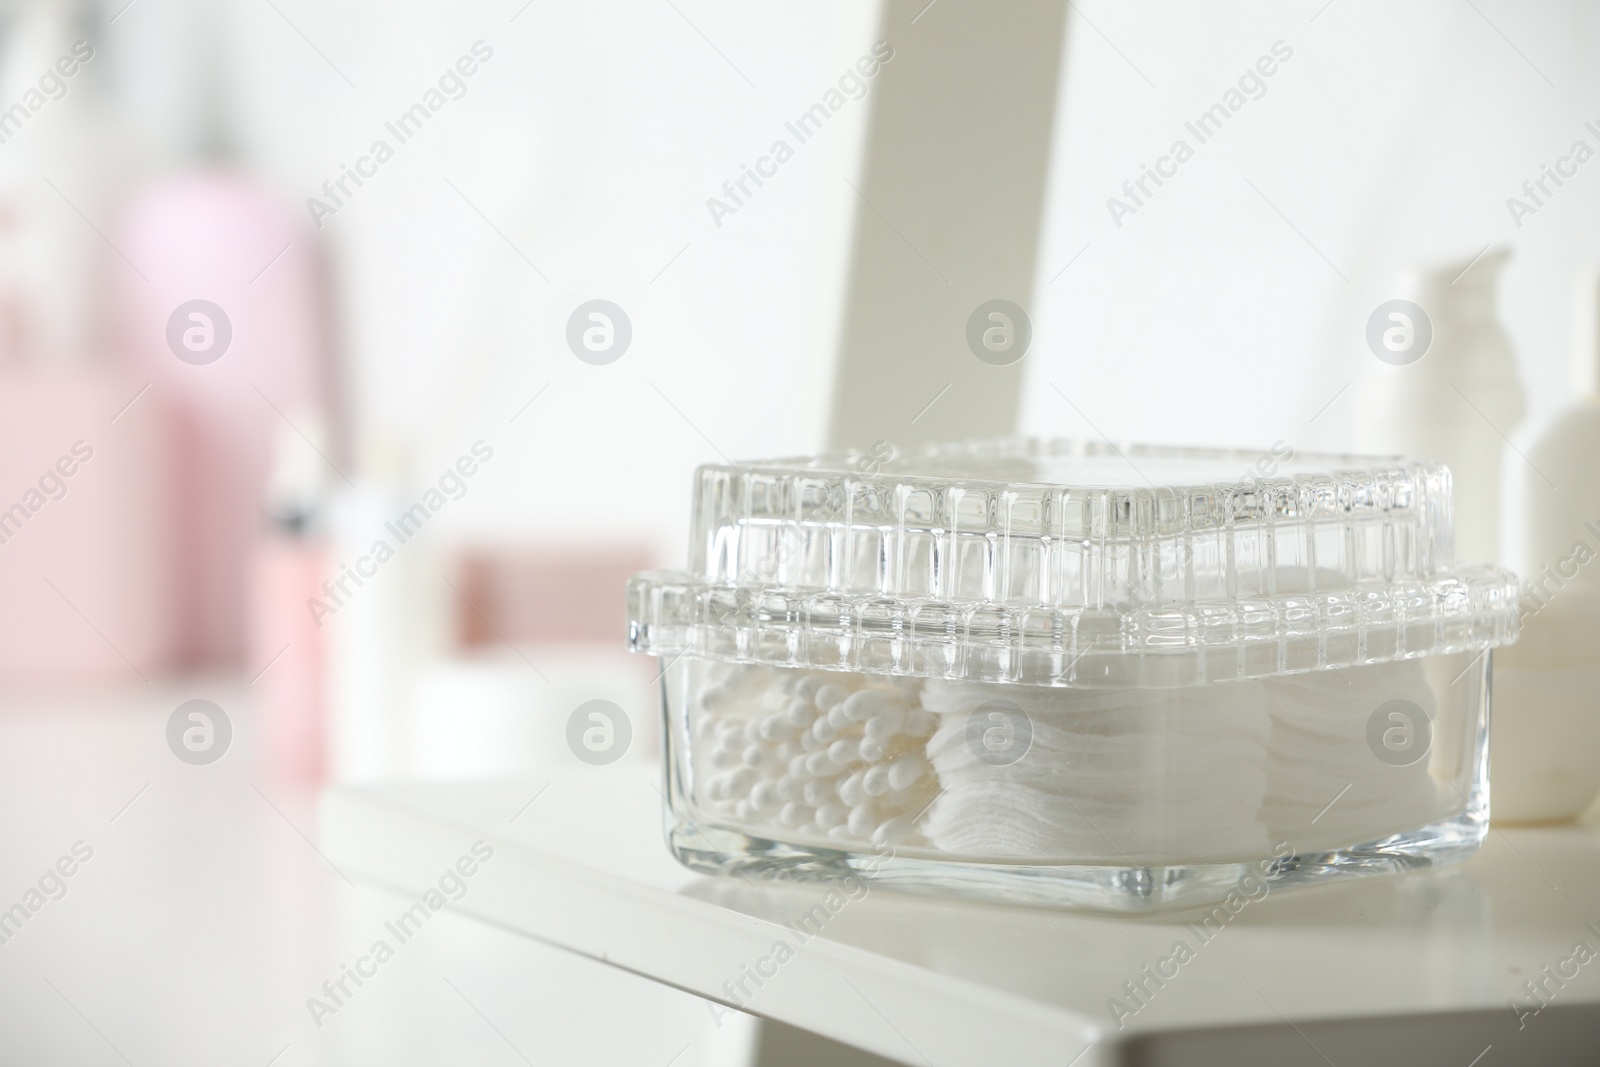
(229, 325)
(219, 302)
(286, 639)
(86, 464)
(1457, 402)
(387, 615)
(86, 519)
(1545, 737)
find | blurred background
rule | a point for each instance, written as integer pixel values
(300, 414)
(379, 326)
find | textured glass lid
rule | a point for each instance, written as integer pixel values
(1071, 563)
(1064, 523)
(1036, 462)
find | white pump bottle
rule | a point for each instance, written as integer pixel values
(1545, 737)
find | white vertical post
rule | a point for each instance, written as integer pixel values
(950, 205)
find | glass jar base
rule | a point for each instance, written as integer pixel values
(708, 848)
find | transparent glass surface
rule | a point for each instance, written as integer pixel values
(1121, 799)
(1039, 522)
(1073, 564)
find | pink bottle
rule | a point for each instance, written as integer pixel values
(288, 647)
(228, 323)
(290, 688)
(85, 527)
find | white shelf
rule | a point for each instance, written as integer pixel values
(1415, 969)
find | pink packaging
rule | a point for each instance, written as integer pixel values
(228, 324)
(86, 524)
(288, 657)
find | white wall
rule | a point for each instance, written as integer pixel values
(591, 140)
(1392, 138)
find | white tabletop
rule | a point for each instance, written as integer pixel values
(1413, 969)
(206, 918)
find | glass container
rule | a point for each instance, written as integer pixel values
(1073, 674)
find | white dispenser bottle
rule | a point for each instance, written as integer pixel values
(1457, 401)
(1545, 737)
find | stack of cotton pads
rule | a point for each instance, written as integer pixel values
(1327, 784)
(1139, 776)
